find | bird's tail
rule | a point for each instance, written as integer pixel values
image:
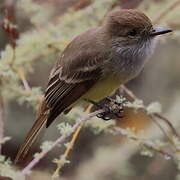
(33, 133)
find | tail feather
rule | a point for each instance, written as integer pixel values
(33, 133)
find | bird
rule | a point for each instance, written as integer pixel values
(94, 64)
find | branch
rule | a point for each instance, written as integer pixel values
(157, 115)
(167, 122)
(143, 142)
(22, 77)
(60, 140)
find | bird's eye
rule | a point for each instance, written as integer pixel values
(133, 32)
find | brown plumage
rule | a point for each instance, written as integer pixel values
(72, 77)
(93, 65)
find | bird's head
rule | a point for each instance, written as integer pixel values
(132, 26)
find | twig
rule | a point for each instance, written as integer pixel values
(11, 29)
(166, 11)
(129, 92)
(169, 138)
(159, 125)
(159, 116)
(70, 145)
(13, 56)
(142, 142)
(66, 153)
(60, 140)
(168, 122)
(23, 79)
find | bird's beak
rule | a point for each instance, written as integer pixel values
(159, 31)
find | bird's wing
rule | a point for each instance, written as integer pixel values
(66, 86)
(77, 70)
(60, 95)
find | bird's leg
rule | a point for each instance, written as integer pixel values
(118, 106)
(112, 108)
(103, 106)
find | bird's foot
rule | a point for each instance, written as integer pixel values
(113, 108)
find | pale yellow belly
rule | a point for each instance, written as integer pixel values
(101, 89)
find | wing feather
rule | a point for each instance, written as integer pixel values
(65, 94)
(78, 69)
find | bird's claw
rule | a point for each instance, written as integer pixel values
(112, 109)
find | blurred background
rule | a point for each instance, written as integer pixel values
(32, 35)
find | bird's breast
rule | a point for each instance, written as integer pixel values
(103, 88)
(127, 62)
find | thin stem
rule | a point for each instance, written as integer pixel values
(158, 115)
(13, 56)
(159, 125)
(129, 92)
(60, 140)
(168, 122)
(142, 142)
(71, 144)
(23, 79)
(69, 148)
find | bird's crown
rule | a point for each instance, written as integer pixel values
(129, 18)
